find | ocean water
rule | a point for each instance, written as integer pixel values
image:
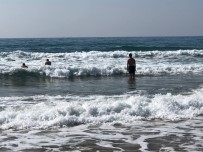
(85, 100)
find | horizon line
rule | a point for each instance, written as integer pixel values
(94, 37)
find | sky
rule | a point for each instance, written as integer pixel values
(100, 18)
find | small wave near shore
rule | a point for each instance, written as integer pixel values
(44, 111)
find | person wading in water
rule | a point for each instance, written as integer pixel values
(131, 66)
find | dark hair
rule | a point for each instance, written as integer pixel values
(130, 55)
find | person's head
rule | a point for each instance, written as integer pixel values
(130, 55)
(47, 59)
(23, 64)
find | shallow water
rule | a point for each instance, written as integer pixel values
(100, 85)
(146, 136)
(69, 114)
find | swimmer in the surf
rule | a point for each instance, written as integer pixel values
(48, 62)
(24, 66)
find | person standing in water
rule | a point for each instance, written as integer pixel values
(131, 66)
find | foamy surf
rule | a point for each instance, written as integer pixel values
(95, 63)
(59, 111)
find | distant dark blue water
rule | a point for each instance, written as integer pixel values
(101, 44)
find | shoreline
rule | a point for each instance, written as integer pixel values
(145, 136)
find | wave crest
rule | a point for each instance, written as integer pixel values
(96, 63)
(74, 110)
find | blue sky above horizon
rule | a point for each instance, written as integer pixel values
(100, 18)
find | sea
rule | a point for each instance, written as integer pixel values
(85, 102)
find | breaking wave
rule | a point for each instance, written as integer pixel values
(59, 111)
(96, 63)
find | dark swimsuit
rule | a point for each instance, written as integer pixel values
(131, 69)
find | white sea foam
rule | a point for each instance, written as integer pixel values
(52, 111)
(95, 63)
